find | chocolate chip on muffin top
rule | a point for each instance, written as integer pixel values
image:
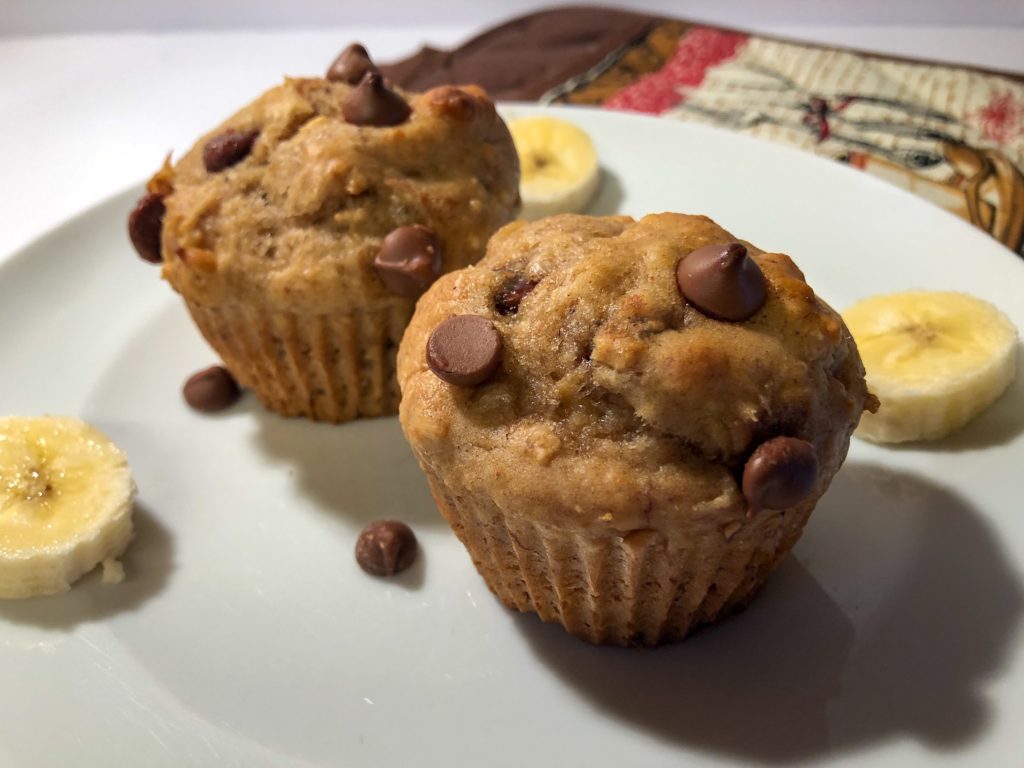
(351, 65)
(722, 281)
(781, 472)
(373, 103)
(464, 350)
(511, 294)
(409, 260)
(228, 149)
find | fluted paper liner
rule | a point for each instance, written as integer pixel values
(644, 588)
(331, 367)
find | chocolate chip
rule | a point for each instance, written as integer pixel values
(409, 260)
(511, 293)
(780, 473)
(373, 103)
(351, 65)
(386, 547)
(722, 282)
(227, 149)
(464, 350)
(212, 389)
(144, 225)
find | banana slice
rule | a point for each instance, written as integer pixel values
(935, 360)
(66, 498)
(557, 165)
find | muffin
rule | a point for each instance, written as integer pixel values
(302, 230)
(627, 423)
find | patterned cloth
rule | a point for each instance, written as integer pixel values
(953, 135)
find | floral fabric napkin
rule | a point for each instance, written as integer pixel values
(951, 134)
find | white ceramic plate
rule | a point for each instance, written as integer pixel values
(246, 635)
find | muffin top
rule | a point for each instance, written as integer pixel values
(614, 390)
(288, 202)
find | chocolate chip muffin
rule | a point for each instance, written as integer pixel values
(302, 230)
(628, 423)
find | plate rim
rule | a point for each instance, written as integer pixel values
(27, 256)
(503, 107)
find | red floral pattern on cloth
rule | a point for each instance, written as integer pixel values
(947, 133)
(699, 49)
(1002, 119)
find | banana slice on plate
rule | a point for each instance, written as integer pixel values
(934, 359)
(557, 165)
(66, 496)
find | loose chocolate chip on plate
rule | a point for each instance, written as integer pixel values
(144, 225)
(373, 103)
(464, 350)
(386, 547)
(780, 473)
(722, 281)
(227, 149)
(351, 65)
(409, 260)
(212, 389)
(511, 293)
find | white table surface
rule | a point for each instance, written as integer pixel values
(85, 115)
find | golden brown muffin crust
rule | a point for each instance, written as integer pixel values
(617, 403)
(295, 225)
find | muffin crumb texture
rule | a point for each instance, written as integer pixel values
(597, 475)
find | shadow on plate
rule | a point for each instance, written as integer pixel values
(610, 195)
(363, 469)
(997, 426)
(920, 611)
(413, 577)
(148, 562)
